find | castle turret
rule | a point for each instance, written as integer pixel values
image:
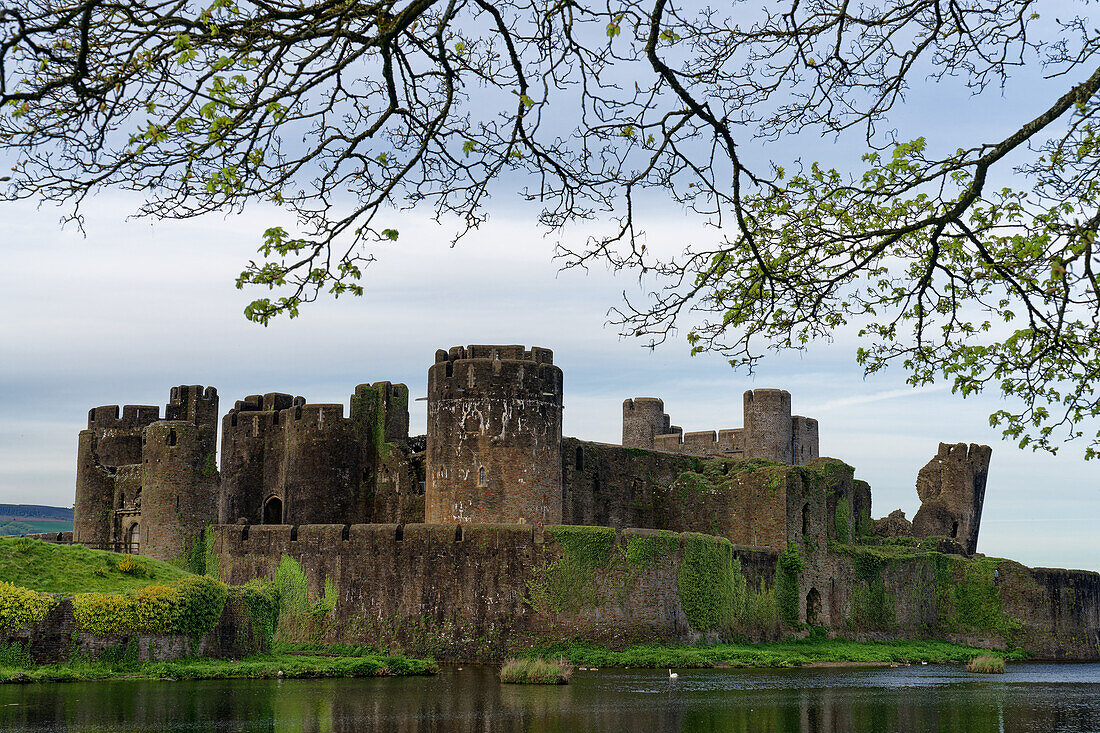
(108, 442)
(179, 482)
(805, 435)
(644, 419)
(253, 442)
(494, 436)
(768, 428)
(288, 462)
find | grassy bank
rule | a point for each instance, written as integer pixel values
(49, 568)
(258, 667)
(793, 653)
(527, 671)
(986, 664)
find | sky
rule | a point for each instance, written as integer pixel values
(123, 313)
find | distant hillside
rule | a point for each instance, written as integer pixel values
(36, 511)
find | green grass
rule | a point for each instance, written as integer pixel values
(257, 667)
(770, 654)
(986, 664)
(527, 671)
(52, 568)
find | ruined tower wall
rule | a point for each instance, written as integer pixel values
(494, 436)
(805, 435)
(952, 492)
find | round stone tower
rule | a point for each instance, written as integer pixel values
(768, 427)
(494, 436)
(643, 419)
(179, 482)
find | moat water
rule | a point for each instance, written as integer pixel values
(1029, 697)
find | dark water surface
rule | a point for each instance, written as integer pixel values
(1030, 697)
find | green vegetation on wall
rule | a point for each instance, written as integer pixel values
(191, 605)
(843, 519)
(710, 583)
(643, 550)
(968, 598)
(20, 607)
(871, 606)
(761, 611)
(201, 558)
(569, 582)
(260, 600)
(299, 618)
(787, 599)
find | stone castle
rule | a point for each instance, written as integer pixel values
(470, 539)
(493, 453)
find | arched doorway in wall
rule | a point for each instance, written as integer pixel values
(133, 539)
(813, 607)
(273, 511)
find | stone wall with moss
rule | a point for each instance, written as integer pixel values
(914, 590)
(478, 591)
(753, 502)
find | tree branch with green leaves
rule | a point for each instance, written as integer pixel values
(971, 262)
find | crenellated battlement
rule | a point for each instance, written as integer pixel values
(133, 417)
(532, 377)
(770, 430)
(510, 352)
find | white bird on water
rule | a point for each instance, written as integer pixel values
(672, 675)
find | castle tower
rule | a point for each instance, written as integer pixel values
(253, 442)
(108, 442)
(805, 433)
(494, 436)
(644, 418)
(768, 427)
(179, 481)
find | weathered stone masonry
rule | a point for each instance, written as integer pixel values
(347, 496)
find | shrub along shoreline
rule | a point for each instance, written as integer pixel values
(774, 654)
(264, 666)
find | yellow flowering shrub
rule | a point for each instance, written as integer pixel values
(156, 607)
(192, 605)
(21, 607)
(132, 566)
(104, 613)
